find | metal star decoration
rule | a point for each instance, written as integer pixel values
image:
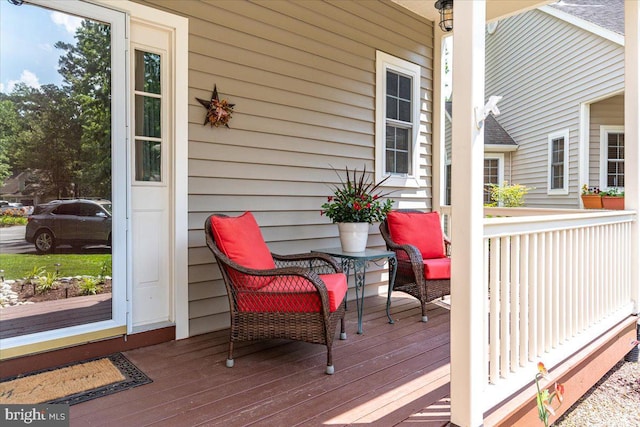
(218, 112)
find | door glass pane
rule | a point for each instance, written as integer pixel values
(148, 117)
(55, 157)
(147, 72)
(148, 154)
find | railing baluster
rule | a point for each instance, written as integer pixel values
(494, 297)
(505, 290)
(525, 314)
(515, 298)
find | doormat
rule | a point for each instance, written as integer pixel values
(73, 383)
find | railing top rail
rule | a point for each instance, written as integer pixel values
(513, 225)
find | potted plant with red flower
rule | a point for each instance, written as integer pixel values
(356, 203)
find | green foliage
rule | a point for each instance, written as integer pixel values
(62, 135)
(90, 285)
(357, 200)
(105, 269)
(9, 125)
(35, 272)
(18, 266)
(612, 192)
(47, 282)
(509, 196)
(545, 397)
(9, 220)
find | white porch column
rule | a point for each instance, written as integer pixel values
(468, 336)
(632, 135)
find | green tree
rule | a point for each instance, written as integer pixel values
(49, 138)
(86, 71)
(9, 126)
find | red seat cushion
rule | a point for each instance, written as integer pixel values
(437, 268)
(422, 230)
(240, 239)
(293, 294)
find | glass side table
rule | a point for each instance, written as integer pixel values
(358, 262)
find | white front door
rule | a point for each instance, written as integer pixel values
(151, 175)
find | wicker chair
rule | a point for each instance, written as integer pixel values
(297, 297)
(412, 234)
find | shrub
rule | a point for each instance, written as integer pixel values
(89, 285)
(47, 282)
(509, 196)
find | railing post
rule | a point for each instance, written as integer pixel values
(632, 135)
(468, 319)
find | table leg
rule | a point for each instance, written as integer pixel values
(393, 268)
(359, 273)
(346, 267)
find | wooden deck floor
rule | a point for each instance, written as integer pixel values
(48, 315)
(391, 375)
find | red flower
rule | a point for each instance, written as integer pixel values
(357, 206)
(368, 205)
(560, 392)
(329, 199)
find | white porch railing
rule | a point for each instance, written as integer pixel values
(554, 281)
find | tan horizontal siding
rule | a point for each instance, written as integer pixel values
(302, 77)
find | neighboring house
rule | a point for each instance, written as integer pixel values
(18, 188)
(499, 146)
(567, 117)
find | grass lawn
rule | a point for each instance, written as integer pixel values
(19, 266)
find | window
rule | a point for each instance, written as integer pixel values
(558, 163)
(397, 119)
(612, 157)
(493, 174)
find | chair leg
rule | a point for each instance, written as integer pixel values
(343, 334)
(330, 369)
(425, 318)
(230, 355)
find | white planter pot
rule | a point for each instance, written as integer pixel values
(353, 236)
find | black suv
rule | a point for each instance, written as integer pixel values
(69, 222)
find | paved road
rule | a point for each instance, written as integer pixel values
(12, 241)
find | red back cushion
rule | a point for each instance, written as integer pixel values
(240, 239)
(421, 230)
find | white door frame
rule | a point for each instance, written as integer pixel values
(178, 158)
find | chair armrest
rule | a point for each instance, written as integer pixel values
(447, 246)
(318, 262)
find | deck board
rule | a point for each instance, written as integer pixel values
(384, 377)
(48, 315)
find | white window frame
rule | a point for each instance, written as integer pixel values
(386, 62)
(605, 130)
(500, 158)
(565, 176)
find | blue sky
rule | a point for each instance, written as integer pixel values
(27, 38)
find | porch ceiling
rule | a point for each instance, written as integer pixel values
(496, 9)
